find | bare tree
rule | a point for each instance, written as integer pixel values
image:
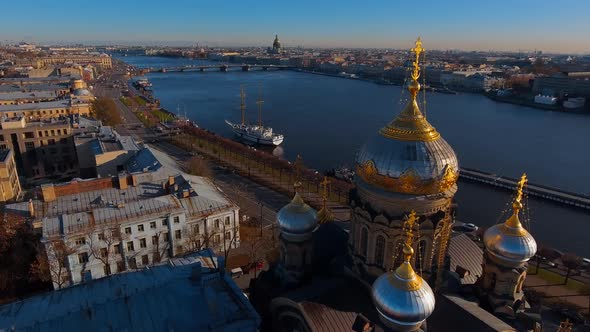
(57, 261)
(197, 239)
(161, 246)
(199, 166)
(102, 247)
(571, 262)
(227, 247)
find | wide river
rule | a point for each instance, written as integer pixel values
(327, 119)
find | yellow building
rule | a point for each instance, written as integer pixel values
(102, 60)
(9, 184)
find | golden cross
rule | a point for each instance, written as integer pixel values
(418, 49)
(408, 228)
(325, 183)
(519, 188)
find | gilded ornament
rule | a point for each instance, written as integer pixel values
(408, 182)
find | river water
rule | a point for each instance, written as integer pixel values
(327, 119)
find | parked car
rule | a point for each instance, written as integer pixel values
(237, 272)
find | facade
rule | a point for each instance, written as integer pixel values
(104, 226)
(9, 182)
(42, 147)
(101, 60)
(559, 85)
(474, 81)
(189, 293)
(46, 110)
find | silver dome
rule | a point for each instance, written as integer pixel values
(297, 218)
(392, 158)
(82, 92)
(509, 243)
(403, 303)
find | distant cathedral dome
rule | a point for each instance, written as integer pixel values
(297, 219)
(510, 243)
(402, 298)
(408, 155)
(276, 45)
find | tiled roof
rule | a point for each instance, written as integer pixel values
(466, 254)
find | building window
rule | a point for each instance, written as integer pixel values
(130, 246)
(156, 257)
(101, 236)
(132, 263)
(120, 266)
(227, 236)
(165, 235)
(152, 224)
(145, 260)
(227, 220)
(379, 250)
(177, 234)
(142, 243)
(83, 258)
(176, 219)
(155, 240)
(117, 248)
(80, 241)
(364, 241)
(127, 230)
(164, 222)
(217, 239)
(197, 229)
(29, 134)
(104, 252)
(140, 228)
(216, 223)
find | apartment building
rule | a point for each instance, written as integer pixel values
(10, 188)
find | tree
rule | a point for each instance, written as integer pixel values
(199, 167)
(256, 244)
(162, 246)
(105, 110)
(571, 262)
(57, 253)
(102, 244)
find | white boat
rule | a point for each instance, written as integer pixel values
(258, 134)
(546, 100)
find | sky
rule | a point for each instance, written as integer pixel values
(513, 25)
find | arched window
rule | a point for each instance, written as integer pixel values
(364, 240)
(379, 250)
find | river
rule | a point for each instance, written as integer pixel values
(327, 119)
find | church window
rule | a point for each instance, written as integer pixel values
(379, 250)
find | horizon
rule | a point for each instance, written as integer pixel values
(459, 25)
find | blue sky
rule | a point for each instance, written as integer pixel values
(562, 26)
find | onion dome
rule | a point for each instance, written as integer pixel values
(408, 155)
(325, 214)
(509, 243)
(276, 44)
(402, 298)
(297, 220)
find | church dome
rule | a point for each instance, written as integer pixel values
(402, 298)
(276, 44)
(408, 155)
(510, 243)
(82, 92)
(297, 219)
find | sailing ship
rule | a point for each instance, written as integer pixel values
(258, 134)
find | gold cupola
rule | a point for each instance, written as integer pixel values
(408, 155)
(510, 243)
(402, 298)
(325, 214)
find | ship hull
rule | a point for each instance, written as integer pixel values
(253, 137)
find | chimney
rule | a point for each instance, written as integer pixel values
(48, 192)
(185, 193)
(134, 180)
(170, 180)
(31, 208)
(123, 181)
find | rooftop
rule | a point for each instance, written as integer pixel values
(186, 294)
(27, 95)
(64, 103)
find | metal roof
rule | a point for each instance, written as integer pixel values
(186, 294)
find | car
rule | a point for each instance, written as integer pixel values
(465, 228)
(237, 272)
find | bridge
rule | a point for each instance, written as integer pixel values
(535, 190)
(222, 67)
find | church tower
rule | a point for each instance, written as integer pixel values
(406, 166)
(508, 248)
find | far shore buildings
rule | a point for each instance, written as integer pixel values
(98, 227)
(188, 293)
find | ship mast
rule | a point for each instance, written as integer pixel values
(259, 102)
(243, 104)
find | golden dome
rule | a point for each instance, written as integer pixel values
(408, 155)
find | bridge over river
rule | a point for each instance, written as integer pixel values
(221, 67)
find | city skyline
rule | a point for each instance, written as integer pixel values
(522, 26)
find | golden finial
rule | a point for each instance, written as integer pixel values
(417, 50)
(566, 326)
(410, 124)
(325, 215)
(406, 277)
(297, 165)
(514, 222)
